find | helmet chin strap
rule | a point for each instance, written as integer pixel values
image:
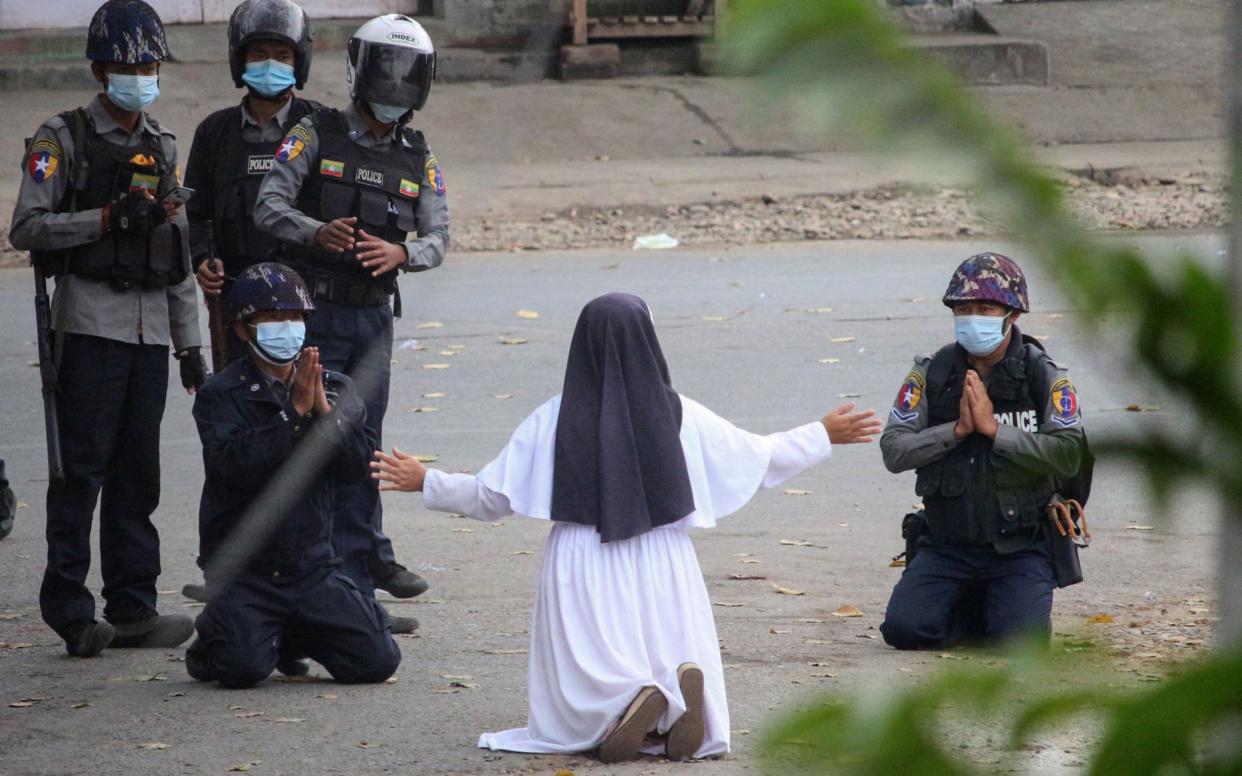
(258, 351)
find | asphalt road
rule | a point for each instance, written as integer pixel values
(745, 333)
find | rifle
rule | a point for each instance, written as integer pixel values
(48, 376)
(216, 325)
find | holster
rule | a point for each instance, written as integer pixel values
(913, 528)
(1065, 562)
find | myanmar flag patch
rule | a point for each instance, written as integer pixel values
(408, 188)
(331, 168)
(144, 184)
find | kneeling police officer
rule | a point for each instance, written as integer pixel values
(278, 422)
(989, 424)
(90, 213)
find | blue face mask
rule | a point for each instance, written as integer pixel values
(278, 342)
(133, 92)
(269, 78)
(387, 113)
(979, 334)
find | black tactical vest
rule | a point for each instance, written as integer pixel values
(238, 168)
(379, 185)
(973, 497)
(153, 260)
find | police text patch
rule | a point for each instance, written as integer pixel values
(369, 177)
(258, 165)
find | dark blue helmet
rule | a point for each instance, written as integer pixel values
(127, 32)
(267, 287)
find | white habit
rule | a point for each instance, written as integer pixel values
(612, 618)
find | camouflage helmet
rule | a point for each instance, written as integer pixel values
(127, 32)
(268, 287)
(988, 277)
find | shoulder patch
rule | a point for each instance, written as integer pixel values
(435, 178)
(293, 144)
(911, 393)
(45, 156)
(1064, 401)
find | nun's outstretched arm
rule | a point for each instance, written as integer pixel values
(464, 493)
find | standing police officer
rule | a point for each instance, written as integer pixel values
(89, 211)
(988, 424)
(270, 47)
(346, 189)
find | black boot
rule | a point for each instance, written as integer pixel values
(8, 505)
(195, 592)
(88, 638)
(399, 581)
(400, 625)
(148, 628)
(196, 664)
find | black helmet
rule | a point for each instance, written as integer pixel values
(127, 32)
(268, 287)
(281, 20)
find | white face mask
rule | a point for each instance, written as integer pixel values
(389, 114)
(278, 342)
(133, 92)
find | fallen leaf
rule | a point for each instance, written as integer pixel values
(947, 656)
(797, 543)
(326, 696)
(777, 632)
(461, 677)
(513, 340)
(797, 492)
(787, 590)
(563, 772)
(23, 505)
(1100, 619)
(523, 552)
(424, 409)
(848, 395)
(436, 366)
(155, 746)
(812, 620)
(905, 670)
(288, 719)
(1133, 408)
(15, 645)
(829, 360)
(738, 732)
(715, 318)
(726, 603)
(435, 395)
(1140, 528)
(82, 705)
(463, 530)
(897, 563)
(427, 458)
(841, 339)
(747, 576)
(235, 708)
(430, 325)
(502, 396)
(365, 744)
(243, 767)
(21, 704)
(528, 315)
(819, 642)
(824, 675)
(390, 680)
(504, 651)
(743, 554)
(819, 309)
(248, 714)
(846, 610)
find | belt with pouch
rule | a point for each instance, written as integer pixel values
(352, 293)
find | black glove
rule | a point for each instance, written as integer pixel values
(133, 213)
(193, 367)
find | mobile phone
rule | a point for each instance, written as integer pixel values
(178, 196)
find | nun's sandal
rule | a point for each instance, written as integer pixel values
(686, 735)
(641, 716)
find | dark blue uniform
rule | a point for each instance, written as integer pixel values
(289, 595)
(985, 499)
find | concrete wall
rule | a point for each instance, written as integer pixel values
(38, 14)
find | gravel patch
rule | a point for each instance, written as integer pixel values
(899, 212)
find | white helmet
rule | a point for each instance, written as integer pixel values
(391, 62)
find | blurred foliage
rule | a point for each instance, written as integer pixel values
(840, 65)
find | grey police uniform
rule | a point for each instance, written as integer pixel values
(985, 498)
(353, 321)
(113, 378)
